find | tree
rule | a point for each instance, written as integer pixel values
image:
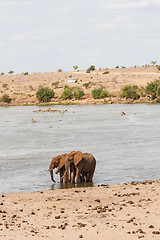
(75, 67)
(44, 94)
(153, 89)
(99, 93)
(67, 93)
(92, 68)
(129, 91)
(78, 93)
(153, 63)
(10, 72)
(6, 98)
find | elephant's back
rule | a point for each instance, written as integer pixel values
(89, 158)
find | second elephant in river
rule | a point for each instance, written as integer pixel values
(84, 164)
(59, 163)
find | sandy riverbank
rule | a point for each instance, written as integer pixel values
(128, 211)
(22, 88)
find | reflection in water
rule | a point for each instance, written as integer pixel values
(72, 185)
(126, 147)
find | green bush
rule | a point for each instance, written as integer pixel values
(106, 72)
(158, 100)
(70, 92)
(158, 67)
(142, 91)
(44, 94)
(88, 84)
(2, 73)
(92, 68)
(78, 93)
(129, 91)
(99, 93)
(153, 89)
(6, 98)
(10, 72)
(67, 93)
(26, 73)
(55, 84)
(4, 85)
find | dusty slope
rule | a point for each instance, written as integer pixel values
(22, 88)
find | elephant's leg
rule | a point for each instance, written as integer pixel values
(91, 176)
(73, 176)
(87, 177)
(61, 176)
(82, 177)
(78, 175)
(65, 178)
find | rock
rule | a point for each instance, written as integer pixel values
(81, 236)
(156, 232)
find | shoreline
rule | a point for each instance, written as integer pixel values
(81, 103)
(124, 211)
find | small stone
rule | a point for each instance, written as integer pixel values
(151, 226)
(81, 236)
(57, 217)
(156, 232)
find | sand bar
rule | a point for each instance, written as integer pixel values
(127, 211)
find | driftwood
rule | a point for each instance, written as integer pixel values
(50, 110)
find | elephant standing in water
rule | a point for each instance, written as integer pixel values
(59, 163)
(84, 164)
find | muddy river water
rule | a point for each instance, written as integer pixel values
(127, 148)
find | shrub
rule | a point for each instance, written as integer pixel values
(55, 84)
(26, 73)
(106, 72)
(142, 91)
(75, 67)
(10, 72)
(78, 93)
(88, 84)
(4, 85)
(130, 91)
(153, 63)
(2, 73)
(158, 67)
(44, 94)
(60, 70)
(117, 67)
(6, 98)
(153, 89)
(67, 93)
(99, 93)
(92, 68)
(158, 100)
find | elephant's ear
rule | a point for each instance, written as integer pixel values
(77, 157)
(61, 164)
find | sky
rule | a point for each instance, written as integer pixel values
(46, 35)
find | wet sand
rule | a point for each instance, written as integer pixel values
(127, 211)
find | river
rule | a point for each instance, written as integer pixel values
(127, 148)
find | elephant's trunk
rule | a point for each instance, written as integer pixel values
(51, 173)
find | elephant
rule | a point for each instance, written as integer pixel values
(59, 163)
(84, 163)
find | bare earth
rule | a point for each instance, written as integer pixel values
(22, 88)
(121, 212)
